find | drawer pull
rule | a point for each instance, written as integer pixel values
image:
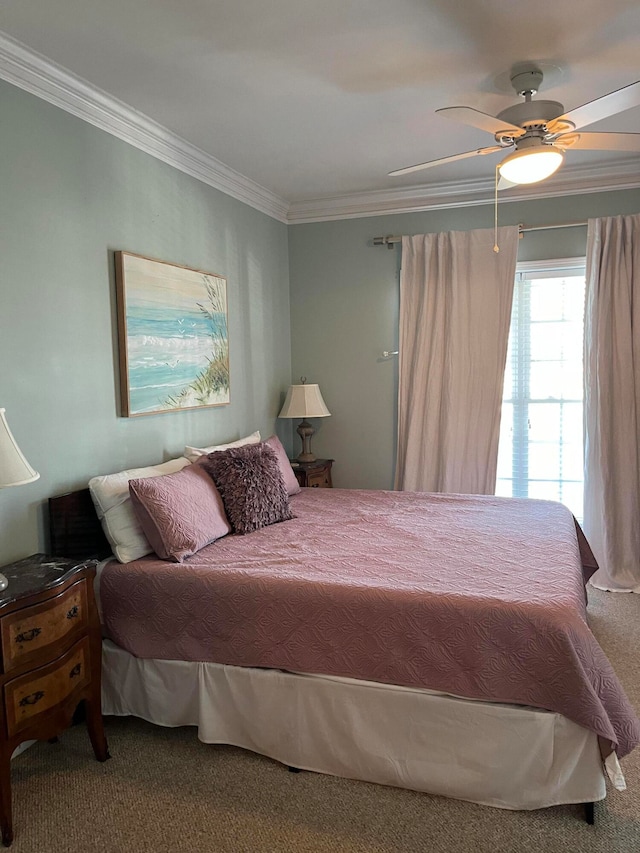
(315, 486)
(27, 636)
(73, 612)
(32, 698)
(77, 669)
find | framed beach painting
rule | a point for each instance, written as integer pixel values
(173, 336)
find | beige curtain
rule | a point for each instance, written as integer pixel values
(455, 309)
(612, 401)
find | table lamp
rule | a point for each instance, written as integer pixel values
(304, 401)
(14, 468)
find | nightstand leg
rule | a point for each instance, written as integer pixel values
(6, 824)
(95, 726)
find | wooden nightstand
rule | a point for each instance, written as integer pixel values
(50, 659)
(314, 475)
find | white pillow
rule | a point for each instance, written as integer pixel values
(193, 453)
(114, 508)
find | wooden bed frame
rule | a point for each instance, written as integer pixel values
(75, 531)
(74, 528)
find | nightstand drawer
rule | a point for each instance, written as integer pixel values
(41, 689)
(319, 480)
(314, 475)
(31, 629)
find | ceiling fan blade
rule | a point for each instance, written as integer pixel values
(418, 167)
(607, 105)
(599, 141)
(484, 121)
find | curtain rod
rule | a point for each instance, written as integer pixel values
(579, 224)
(389, 241)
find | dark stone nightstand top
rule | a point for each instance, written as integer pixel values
(37, 573)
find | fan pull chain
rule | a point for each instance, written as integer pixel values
(496, 248)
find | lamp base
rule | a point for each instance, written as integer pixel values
(305, 431)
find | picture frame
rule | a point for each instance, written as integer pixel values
(173, 336)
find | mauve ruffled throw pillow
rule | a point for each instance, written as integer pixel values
(251, 486)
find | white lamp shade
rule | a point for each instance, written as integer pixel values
(531, 165)
(304, 401)
(14, 468)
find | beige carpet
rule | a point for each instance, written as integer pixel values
(163, 790)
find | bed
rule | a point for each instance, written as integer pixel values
(434, 642)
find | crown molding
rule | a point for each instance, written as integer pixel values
(38, 75)
(577, 180)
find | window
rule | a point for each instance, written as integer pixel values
(541, 443)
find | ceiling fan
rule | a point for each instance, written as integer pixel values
(540, 131)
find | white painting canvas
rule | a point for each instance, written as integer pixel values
(174, 343)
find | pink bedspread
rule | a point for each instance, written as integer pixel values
(477, 596)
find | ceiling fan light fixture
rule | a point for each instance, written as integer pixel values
(531, 165)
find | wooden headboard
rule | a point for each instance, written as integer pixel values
(74, 528)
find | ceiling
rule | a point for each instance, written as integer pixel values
(318, 101)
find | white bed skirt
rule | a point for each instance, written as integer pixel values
(497, 755)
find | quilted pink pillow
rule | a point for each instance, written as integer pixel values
(179, 513)
(290, 480)
(251, 486)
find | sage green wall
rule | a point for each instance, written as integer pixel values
(69, 196)
(344, 314)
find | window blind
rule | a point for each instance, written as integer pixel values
(541, 437)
